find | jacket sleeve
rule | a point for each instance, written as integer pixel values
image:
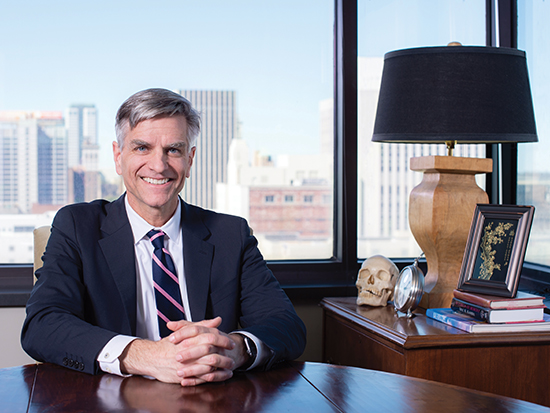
(55, 329)
(266, 311)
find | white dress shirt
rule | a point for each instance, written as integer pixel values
(146, 317)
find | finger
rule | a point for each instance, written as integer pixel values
(196, 335)
(194, 353)
(195, 370)
(211, 323)
(205, 355)
(207, 342)
(178, 325)
(205, 365)
(218, 375)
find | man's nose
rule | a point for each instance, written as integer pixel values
(158, 161)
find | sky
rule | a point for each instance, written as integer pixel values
(274, 54)
(277, 55)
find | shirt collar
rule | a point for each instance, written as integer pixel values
(140, 227)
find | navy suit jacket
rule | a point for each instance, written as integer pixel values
(85, 293)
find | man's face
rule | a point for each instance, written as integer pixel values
(154, 162)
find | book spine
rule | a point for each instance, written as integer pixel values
(471, 310)
(472, 298)
(448, 320)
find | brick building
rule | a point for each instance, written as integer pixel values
(291, 212)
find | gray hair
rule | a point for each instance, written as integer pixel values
(152, 103)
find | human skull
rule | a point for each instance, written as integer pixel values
(376, 280)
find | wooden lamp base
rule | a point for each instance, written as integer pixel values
(441, 208)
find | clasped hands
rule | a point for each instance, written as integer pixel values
(195, 353)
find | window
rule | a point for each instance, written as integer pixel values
(360, 207)
(289, 198)
(533, 179)
(383, 26)
(266, 122)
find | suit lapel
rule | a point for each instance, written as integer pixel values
(197, 255)
(118, 248)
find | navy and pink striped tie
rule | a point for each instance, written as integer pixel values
(165, 280)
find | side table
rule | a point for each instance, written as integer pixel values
(509, 364)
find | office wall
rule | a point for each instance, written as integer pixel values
(312, 315)
(11, 353)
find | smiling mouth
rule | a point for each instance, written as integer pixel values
(156, 181)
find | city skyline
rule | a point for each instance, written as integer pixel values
(192, 48)
(76, 133)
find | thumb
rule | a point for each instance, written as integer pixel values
(176, 325)
(211, 323)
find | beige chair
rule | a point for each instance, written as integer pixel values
(41, 236)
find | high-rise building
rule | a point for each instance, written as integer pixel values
(81, 131)
(52, 161)
(326, 125)
(83, 153)
(8, 166)
(35, 160)
(219, 126)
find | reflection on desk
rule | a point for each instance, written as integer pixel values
(295, 387)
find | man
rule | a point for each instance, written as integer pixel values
(102, 298)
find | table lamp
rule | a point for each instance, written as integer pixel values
(454, 94)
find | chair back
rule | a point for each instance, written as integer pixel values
(41, 236)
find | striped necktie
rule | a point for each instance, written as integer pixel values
(166, 284)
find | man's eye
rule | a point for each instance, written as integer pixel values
(174, 151)
(141, 148)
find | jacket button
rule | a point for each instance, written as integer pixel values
(76, 365)
(65, 361)
(71, 362)
(81, 366)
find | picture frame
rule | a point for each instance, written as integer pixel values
(495, 249)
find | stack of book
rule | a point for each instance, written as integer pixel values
(485, 313)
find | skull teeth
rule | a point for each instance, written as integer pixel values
(378, 294)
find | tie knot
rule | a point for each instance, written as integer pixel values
(156, 237)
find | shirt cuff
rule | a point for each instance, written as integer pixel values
(108, 356)
(263, 350)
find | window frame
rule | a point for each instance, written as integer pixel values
(336, 276)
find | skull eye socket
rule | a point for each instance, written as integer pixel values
(364, 274)
(383, 275)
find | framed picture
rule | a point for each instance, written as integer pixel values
(495, 250)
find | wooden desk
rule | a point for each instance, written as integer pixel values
(293, 387)
(510, 364)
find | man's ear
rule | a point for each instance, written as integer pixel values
(116, 155)
(191, 155)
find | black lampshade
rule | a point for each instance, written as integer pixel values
(455, 93)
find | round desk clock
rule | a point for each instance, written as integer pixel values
(409, 289)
